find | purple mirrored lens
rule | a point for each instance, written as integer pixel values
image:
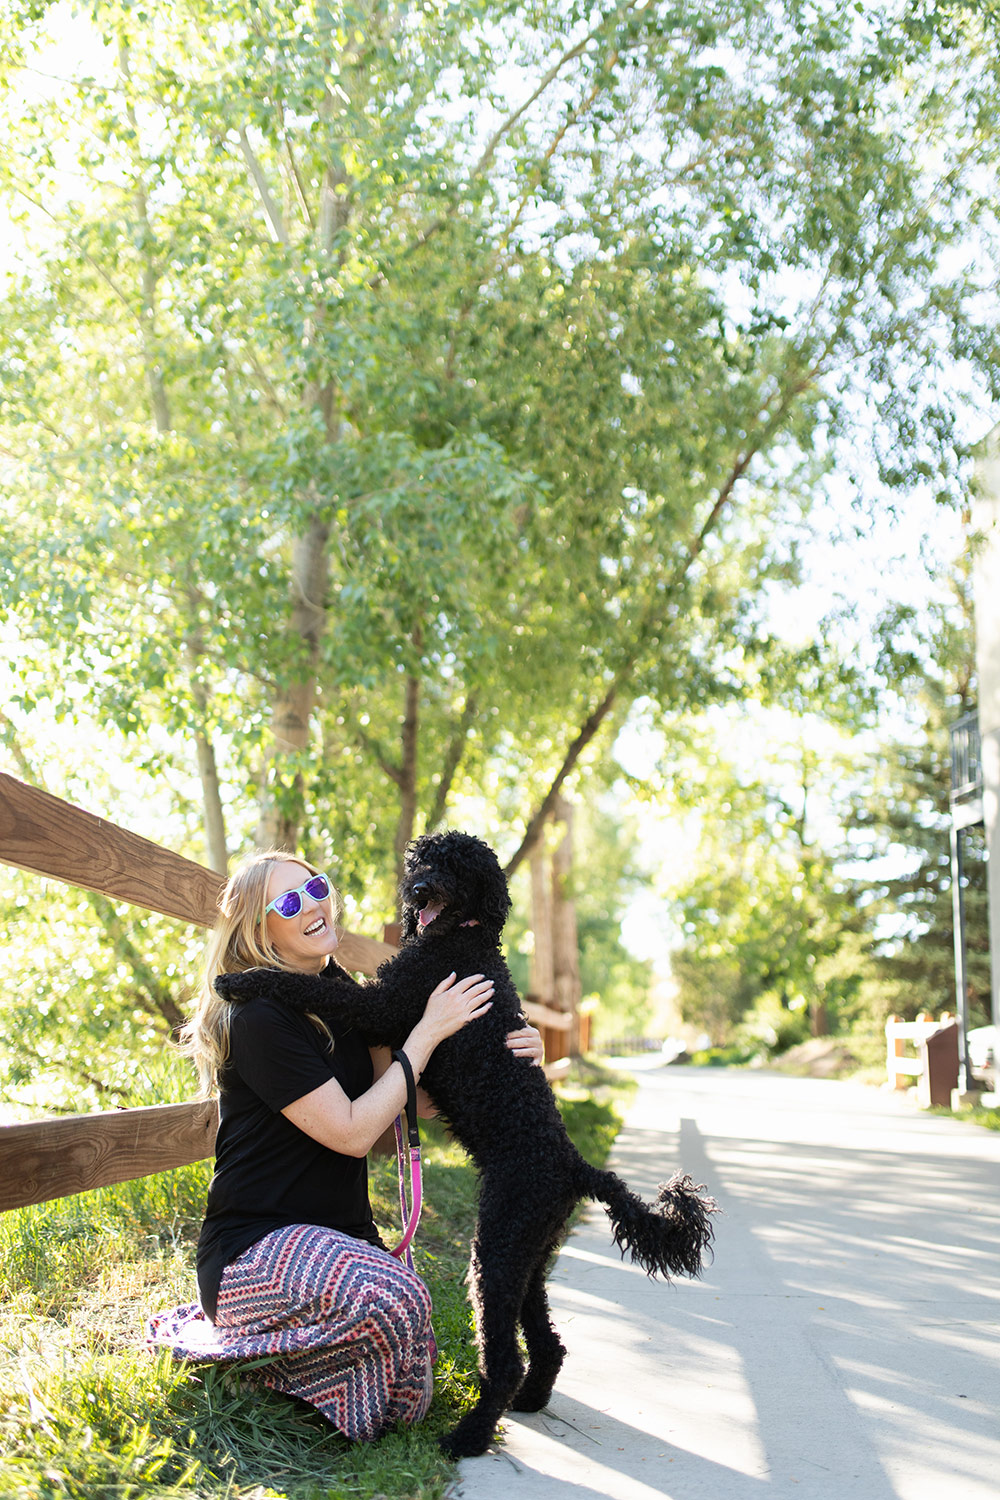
(290, 904)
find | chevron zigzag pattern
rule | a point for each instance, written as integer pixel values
(348, 1326)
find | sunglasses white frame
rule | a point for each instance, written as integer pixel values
(299, 889)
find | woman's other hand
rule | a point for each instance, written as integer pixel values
(527, 1043)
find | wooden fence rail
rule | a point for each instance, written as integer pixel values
(53, 1158)
(46, 1159)
(41, 833)
(555, 1027)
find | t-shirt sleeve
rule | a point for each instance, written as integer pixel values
(278, 1054)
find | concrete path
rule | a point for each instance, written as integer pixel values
(845, 1344)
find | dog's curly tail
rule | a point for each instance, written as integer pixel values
(670, 1237)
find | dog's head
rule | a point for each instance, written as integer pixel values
(450, 879)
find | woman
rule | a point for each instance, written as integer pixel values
(290, 1263)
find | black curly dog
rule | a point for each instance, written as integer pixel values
(502, 1111)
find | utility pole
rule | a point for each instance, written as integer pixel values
(986, 587)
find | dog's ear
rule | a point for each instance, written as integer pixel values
(494, 903)
(498, 909)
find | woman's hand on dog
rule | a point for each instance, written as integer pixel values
(527, 1043)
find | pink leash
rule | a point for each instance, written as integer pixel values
(409, 1218)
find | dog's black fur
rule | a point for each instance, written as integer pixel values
(503, 1112)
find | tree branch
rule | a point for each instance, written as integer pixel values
(554, 145)
(266, 383)
(274, 215)
(159, 402)
(548, 79)
(506, 126)
(378, 755)
(25, 769)
(653, 612)
(452, 761)
(94, 265)
(149, 991)
(583, 738)
(293, 167)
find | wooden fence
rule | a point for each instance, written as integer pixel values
(555, 1026)
(53, 1158)
(934, 1066)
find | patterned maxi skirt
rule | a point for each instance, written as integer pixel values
(348, 1326)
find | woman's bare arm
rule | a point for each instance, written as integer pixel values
(352, 1126)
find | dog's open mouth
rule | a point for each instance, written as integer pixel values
(426, 914)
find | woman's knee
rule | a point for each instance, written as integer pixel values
(412, 1289)
(395, 1286)
(331, 1277)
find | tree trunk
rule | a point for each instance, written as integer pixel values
(208, 770)
(542, 966)
(565, 950)
(451, 762)
(282, 797)
(407, 782)
(215, 824)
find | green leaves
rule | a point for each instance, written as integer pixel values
(535, 327)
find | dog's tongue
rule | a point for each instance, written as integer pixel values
(427, 913)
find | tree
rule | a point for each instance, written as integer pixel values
(900, 818)
(194, 495)
(94, 988)
(437, 427)
(766, 912)
(781, 926)
(606, 874)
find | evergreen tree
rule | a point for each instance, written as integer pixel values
(900, 822)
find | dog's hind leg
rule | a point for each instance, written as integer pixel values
(545, 1351)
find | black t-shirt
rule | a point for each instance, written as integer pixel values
(268, 1173)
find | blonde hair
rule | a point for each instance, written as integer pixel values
(239, 942)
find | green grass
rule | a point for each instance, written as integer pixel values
(86, 1413)
(975, 1114)
(724, 1057)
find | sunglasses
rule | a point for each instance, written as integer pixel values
(289, 903)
